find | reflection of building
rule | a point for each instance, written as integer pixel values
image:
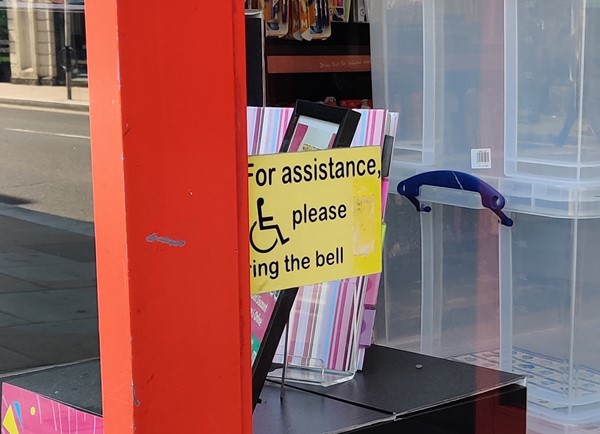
(4, 47)
(36, 34)
(32, 47)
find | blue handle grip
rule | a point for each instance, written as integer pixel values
(490, 197)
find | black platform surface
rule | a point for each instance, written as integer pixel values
(399, 391)
(303, 412)
(401, 382)
(77, 385)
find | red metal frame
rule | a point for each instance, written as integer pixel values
(167, 94)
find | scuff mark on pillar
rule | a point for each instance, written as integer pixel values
(154, 238)
(135, 400)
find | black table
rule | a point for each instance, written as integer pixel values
(400, 391)
(396, 392)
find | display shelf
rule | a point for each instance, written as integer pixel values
(338, 67)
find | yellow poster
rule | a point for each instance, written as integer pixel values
(314, 217)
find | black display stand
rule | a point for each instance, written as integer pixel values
(399, 391)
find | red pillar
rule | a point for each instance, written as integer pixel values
(167, 92)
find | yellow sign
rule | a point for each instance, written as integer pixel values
(314, 217)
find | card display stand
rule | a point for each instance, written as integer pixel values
(328, 329)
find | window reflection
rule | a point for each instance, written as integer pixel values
(48, 309)
(41, 41)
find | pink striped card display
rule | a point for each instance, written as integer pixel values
(326, 321)
(254, 125)
(371, 291)
(323, 326)
(261, 309)
(346, 325)
(374, 280)
(274, 123)
(25, 412)
(371, 128)
(366, 329)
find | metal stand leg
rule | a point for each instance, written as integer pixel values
(285, 361)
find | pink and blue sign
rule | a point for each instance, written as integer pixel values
(25, 412)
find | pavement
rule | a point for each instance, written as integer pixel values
(54, 97)
(48, 307)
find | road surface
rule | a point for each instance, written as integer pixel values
(45, 161)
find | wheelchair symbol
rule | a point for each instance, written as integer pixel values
(264, 224)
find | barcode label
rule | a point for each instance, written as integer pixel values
(481, 158)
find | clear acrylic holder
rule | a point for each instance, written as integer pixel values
(327, 352)
(309, 371)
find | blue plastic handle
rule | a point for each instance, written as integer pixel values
(490, 197)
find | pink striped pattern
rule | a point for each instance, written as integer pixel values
(325, 322)
(371, 128)
(373, 286)
(254, 122)
(32, 413)
(275, 122)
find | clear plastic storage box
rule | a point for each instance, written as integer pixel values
(553, 89)
(440, 65)
(525, 298)
(506, 92)
(550, 299)
(440, 293)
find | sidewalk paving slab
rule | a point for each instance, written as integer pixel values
(48, 298)
(44, 96)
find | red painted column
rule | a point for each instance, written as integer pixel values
(167, 92)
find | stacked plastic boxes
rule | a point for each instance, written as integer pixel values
(506, 92)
